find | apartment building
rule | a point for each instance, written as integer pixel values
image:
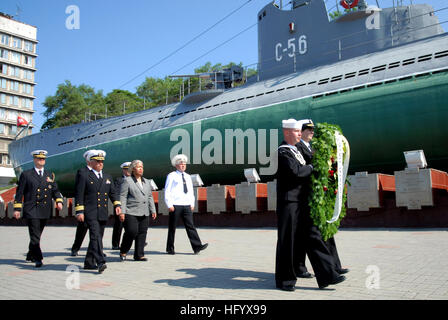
(18, 43)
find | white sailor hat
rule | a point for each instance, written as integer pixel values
(291, 124)
(179, 158)
(95, 155)
(125, 165)
(307, 124)
(40, 154)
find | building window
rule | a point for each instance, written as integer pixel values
(15, 72)
(2, 128)
(12, 115)
(3, 83)
(27, 88)
(3, 68)
(14, 86)
(2, 113)
(3, 100)
(15, 101)
(28, 74)
(28, 61)
(13, 130)
(3, 53)
(28, 103)
(16, 43)
(29, 47)
(15, 57)
(4, 39)
(26, 116)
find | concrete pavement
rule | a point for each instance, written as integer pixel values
(238, 265)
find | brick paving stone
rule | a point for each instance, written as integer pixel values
(239, 263)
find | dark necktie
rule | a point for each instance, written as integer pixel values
(40, 173)
(185, 184)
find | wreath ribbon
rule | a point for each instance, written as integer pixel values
(343, 163)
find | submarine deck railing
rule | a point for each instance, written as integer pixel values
(189, 84)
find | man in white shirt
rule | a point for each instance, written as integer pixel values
(179, 198)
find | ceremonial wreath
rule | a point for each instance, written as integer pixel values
(328, 192)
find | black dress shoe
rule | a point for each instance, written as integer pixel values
(39, 264)
(305, 275)
(171, 252)
(122, 257)
(141, 259)
(90, 267)
(343, 270)
(102, 267)
(288, 288)
(338, 279)
(74, 253)
(30, 259)
(202, 247)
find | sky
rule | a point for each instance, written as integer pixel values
(116, 41)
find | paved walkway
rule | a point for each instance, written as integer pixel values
(237, 265)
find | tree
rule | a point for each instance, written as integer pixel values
(122, 101)
(69, 104)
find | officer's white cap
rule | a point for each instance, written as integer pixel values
(125, 165)
(179, 158)
(291, 124)
(95, 155)
(41, 154)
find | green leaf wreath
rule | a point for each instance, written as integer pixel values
(324, 180)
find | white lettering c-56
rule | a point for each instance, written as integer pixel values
(301, 43)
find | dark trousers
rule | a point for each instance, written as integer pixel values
(35, 229)
(300, 266)
(185, 213)
(135, 228)
(81, 230)
(294, 228)
(95, 253)
(116, 232)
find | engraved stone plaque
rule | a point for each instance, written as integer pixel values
(363, 191)
(413, 188)
(272, 195)
(163, 209)
(216, 199)
(246, 197)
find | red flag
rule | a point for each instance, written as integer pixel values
(21, 122)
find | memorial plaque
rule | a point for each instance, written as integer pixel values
(363, 191)
(272, 195)
(246, 197)
(216, 199)
(162, 209)
(413, 188)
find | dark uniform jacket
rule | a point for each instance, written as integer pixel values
(37, 194)
(92, 194)
(308, 156)
(291, 176)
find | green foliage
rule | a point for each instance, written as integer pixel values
(336, 14)
(324, 180)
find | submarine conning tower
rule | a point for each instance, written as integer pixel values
(305, 37)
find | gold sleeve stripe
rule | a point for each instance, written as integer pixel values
(17, 205)
(116, 203)
(59, 200)
(79, 208)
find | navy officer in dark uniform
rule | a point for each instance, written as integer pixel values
(93, 189)
(37, 188)
(304, 146)
(294, 223)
